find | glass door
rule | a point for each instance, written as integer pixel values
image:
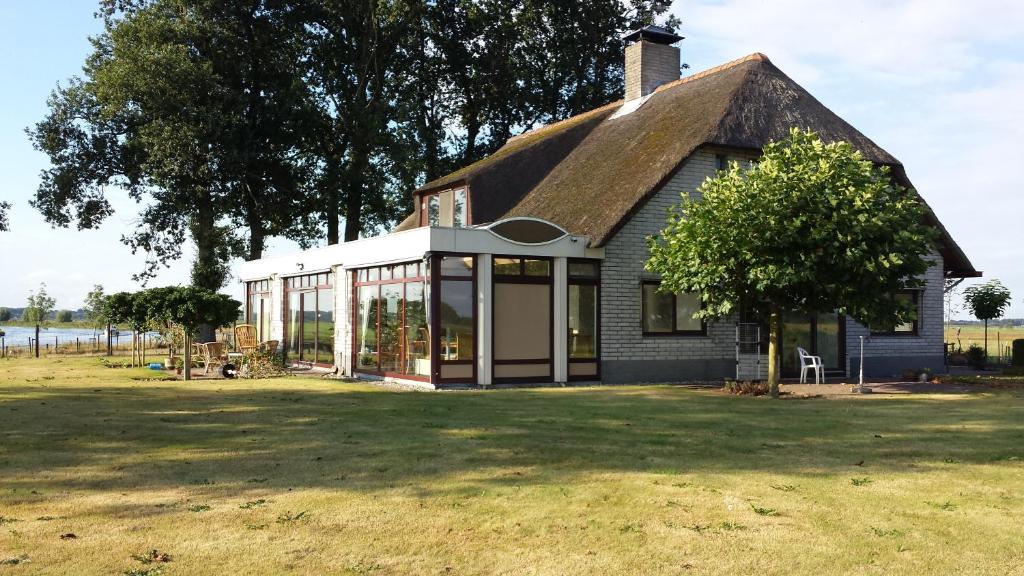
(820, 335)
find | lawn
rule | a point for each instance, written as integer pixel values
(319, 477)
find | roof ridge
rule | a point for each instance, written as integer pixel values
(755, 57)
(553, 125)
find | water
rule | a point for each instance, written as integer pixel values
(18, 335)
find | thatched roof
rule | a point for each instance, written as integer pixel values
(590, 173)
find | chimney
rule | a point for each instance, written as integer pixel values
(651, 60)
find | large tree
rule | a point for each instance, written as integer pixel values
(811, 227)
(194, 107)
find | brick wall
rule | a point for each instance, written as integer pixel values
(627, 355)
(649, 65)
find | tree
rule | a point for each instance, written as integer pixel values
(5, 207)
(987, 301)
(64, 316)
(40, 306)
(5, 314)
(93, 308)
(811, 227)
(195, 108)
(190, 308)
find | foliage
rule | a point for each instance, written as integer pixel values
(64, 316)
(746, 387)
(40, 306)
(93, 309)
(4, 222)
(976, 356)
(191, 307)
(260, 363)
(987, 301)
(5, 314)
(811, 227)
(226, 163)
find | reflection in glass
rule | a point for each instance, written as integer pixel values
(456, 320)
(366, 328)
(294, 322)
(390, 327)
(657, 309)
(417, 330)
(325, 326)
(686, 306)
(582, 321)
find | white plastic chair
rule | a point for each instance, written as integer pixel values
(808, 362)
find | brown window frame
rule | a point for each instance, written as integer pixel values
(523, 278)
(586, 281)
(674, 332)
(311, 283)
(424, 208)
(435, 314)
(385, 275)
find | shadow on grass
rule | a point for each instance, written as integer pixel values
(355, 437)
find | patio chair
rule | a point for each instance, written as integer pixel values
(210, 353)
(246, 339)
(808, 362)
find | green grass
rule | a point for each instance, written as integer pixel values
(309, 476)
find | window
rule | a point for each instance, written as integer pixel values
(258, 308)
(445, 208)
(906, 328)
(722, 161)
(309, 329)
(535, 267)
(583, 311)
(392, 321)
(669, 313)
(457, 309)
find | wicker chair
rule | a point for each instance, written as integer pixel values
(246, 339)
(211, 353)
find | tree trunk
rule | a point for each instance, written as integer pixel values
(774, 329)
(986, 338)
(110, 344)
(37, 340)
(331, 212)
(186, 369)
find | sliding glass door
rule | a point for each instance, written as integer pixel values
(309, 327)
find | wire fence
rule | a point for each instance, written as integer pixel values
(66, 345)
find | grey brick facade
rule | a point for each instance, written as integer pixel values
(629, 356)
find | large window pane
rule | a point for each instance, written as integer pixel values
(582, 321)
(657, 310)
(294, 324)
(906, 327)
(456, 320)
(308, 326)
(459, 208)
(325, 326)
(391, 327)
(686, 306)
(457, 266)
(417, 330)
(433, 210)
(366, 328)
(255, 317)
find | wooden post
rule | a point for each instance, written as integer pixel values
(774, 327)
(37, 340)
(186, 370)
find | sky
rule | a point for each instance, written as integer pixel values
(937, 83)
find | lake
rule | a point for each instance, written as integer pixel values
(18, 335)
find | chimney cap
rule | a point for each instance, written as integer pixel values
(655, 34)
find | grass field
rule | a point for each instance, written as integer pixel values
(305, 476)
(997, 336)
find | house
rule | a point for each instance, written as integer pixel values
(528, 266)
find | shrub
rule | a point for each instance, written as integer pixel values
(263, 364)
(976, 356)
(64, 316)
(5, 314)
(746, 387)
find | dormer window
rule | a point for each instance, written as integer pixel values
(448, 208)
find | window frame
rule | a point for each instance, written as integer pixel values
(425, 198)
(594, 281)
(435, 281)
(915, 296)
(674, 332)
(308, 283)
(362, 277)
